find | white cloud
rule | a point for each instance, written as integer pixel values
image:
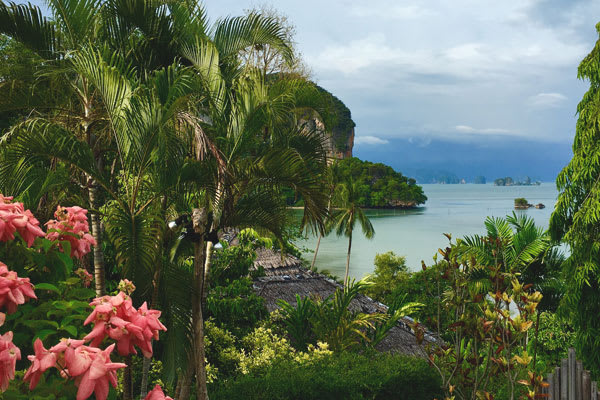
(547, 100)
(484, 131)
(390, 11)
(369, 140)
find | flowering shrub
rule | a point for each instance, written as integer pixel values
(88, 366)
(71, 225)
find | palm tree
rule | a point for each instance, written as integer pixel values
(513, 242)
(345, 216)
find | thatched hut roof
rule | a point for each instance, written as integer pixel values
(274, 264)
(400, 338)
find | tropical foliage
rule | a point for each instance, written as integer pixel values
(378, 185)
(575, 218)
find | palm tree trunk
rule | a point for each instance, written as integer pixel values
(185, 383)
(199, 221)
(312, 265)
(97, 234)
(209, 251)
(348, 261)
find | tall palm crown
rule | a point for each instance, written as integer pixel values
(346, 214)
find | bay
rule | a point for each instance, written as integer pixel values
(417, 234)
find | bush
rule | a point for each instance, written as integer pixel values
(339, 376)
(390, 271)
(521, 202)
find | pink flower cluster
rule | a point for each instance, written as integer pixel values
(13, 290)
(9, 354)
(71, 224)
(91, 367)
(157, 394)
(115, 317)
(14, 218)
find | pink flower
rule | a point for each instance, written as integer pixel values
(13, 290)
(91, 367)
(115, 317)
(157, 394)
(40, 362)
(14, 218)
(93, 370)
(9, 354)
(71, 225)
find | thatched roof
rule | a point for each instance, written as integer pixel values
(306, 283)
(274, 264)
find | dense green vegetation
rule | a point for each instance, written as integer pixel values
(347, 376)
(378, 185)
(576, 217)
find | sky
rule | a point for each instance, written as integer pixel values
(470, 86)
(489, 85)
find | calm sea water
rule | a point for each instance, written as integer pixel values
(417, 234)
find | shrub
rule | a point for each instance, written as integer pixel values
(340, 376)
(390, 271)
(521, 202)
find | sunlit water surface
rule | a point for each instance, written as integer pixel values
(417, 234)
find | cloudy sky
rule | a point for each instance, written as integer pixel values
(423, 72)
(427, 79)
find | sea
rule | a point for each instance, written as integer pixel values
(417, 234)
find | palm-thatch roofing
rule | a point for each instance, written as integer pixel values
(285, 280)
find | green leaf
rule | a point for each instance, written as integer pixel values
(47, 286)
(71, 329)
(43, 334)
(38, 323)
(73, 281)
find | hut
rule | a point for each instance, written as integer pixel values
(283, 280)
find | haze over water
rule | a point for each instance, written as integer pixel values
(417, 234)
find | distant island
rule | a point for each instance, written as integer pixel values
(479, 180)
(508, 181)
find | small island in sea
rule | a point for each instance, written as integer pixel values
(380, 185)
(508, 181)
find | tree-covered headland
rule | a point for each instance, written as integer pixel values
(379, 185)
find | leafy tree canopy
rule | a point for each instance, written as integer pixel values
(379, 185)
(577, 216)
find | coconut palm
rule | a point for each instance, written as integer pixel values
(347, 212)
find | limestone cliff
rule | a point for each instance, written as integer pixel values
(340, 126)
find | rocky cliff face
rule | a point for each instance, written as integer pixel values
(338, 144)
(340, 132)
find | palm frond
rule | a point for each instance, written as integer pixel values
(232, 35)
(27, 24)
